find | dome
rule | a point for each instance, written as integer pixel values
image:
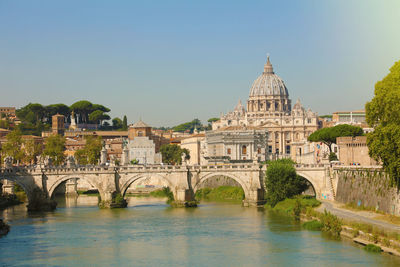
(268, 83)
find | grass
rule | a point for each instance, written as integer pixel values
(373, 248)
(287, 206)
(389, 218)
(313, 225)
(88, 192)
(161, 193)
(354, 207)
(221, 193)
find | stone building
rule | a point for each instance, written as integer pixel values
(194, 144)
(142, 144)
(354, 151)
(236, 144)
(269, 107)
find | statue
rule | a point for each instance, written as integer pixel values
(183, 158)
(70, 161)
(8, 162)
(47, 161)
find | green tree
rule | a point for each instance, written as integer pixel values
(282, 181)
(125, 123)
(90, 154)
(54, 148)
(117, 123)
(188, 126)
(98, 116)
(31, 113)
(54, 109)
(328, 135)
(211, 120)
(83, 108)
(13, 146)
(383, 114)
(32, 150)
(4, 124)
(172, 153)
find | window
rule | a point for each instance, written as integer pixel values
(228, 151)
(287, 149)
(277, 151)
(244, 150)
(308, 120)
(140, 133)
(259, 150)
(269, 149)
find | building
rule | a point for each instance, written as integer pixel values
(194, 144)
(7, 112)
(269, 107)
(143, 146)
(57, 126)
(236, 144)
(349, 117)
(354, 151)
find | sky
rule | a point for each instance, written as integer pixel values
(168, 62)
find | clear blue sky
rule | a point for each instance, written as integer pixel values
(168, 62)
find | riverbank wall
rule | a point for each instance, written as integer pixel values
(368, 187)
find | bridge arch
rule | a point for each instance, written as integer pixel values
(207, 176)
(26, 183)
(62, 179)
(311, 180)
(124, 187)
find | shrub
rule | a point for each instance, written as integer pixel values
(373, 248)
(221, 193)
(313, 225)
(333, 156)
(282, 181)
(297, 210)
(331, 224)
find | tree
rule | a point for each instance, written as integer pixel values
(172, 153)
(54, 148)
(83, 108)
(188, 126)
(54, 109)
(13, 146)
(90, 154)
(282, 181)
(383, 114)
(211, 120)
(98, 116)
(32, 150)
(328, 135)
(4, 124)
(125, 123)
(32, 113)
(117, 123)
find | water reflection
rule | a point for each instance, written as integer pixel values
(150, 233)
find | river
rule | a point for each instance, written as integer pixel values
(150, 233)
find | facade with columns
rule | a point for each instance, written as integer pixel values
(269, 107)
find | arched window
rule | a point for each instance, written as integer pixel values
(229, 151)
(244, 150)
(140, 133)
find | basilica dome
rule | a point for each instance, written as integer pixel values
(268, 84)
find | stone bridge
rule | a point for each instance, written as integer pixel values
(183, 181)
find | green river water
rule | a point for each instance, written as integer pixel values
(150, 233)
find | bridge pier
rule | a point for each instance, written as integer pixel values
(254, 198)
(71, 187)
(8, 187)
(184, 198)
